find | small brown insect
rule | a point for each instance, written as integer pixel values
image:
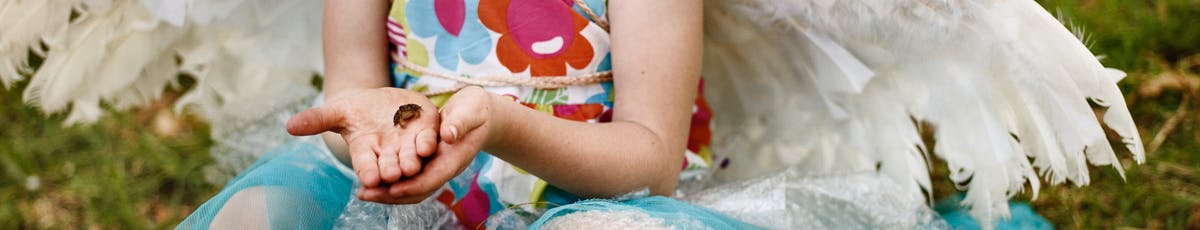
(405, 113)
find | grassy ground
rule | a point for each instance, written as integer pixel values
(136, 170)
(1158, 43)
(142, 168)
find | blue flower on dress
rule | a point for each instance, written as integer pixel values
(598, 7)
(455, 28)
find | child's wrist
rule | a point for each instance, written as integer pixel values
(334, 93)
(496, 118)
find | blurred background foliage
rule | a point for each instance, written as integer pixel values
(135, 169)
(143, 168)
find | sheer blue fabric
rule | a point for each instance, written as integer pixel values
(673, 213)
(294, 186)
(298, 186)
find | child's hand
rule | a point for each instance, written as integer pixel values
(465, 120)
(465, 129)
(380, 151)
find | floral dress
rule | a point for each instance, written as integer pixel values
(517, 39)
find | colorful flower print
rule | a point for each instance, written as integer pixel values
(407, 48)
(539, 35)
(455, 28)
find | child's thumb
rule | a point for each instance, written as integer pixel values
(456, 124)
(314, 121)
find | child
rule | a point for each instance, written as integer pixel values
(566, 111)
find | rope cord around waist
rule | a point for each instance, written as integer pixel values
(592, 14)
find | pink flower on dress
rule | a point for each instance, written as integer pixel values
(539, 35)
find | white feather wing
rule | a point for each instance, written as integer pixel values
(248, 57)
(999, 82)
(24, 24)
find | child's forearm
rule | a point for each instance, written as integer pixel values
(355, 45)
(656, 71)
(587, 159)
(355, 50)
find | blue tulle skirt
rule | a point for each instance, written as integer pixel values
(296, 187)
(299, 186)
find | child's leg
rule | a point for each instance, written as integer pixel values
(293, 186)
(297, 186)
(245, 210)
(338, 147)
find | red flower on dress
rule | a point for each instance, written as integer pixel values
(539, 35)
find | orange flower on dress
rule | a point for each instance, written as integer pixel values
(539, 35)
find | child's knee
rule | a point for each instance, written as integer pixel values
(246, 209)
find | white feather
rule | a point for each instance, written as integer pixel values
(122, 53)
(103, 59)
(170, 11)
(999, 81)
(24, 24)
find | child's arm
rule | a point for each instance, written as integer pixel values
(359, 106)
(354, 45)
(656, 48)
(656, 54)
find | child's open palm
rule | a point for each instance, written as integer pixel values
(381, 152)
(464, 131)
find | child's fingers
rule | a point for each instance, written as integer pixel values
(389, 157)
(408, 199)
(449, 163)
(363, 158)
(314, 121)
(378, 194)
(408, 157)
(426, 142)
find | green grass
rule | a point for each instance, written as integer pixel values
(1131, 33)
(120, 173)
(117, 172)
(1150, 40)
(1147, 39)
